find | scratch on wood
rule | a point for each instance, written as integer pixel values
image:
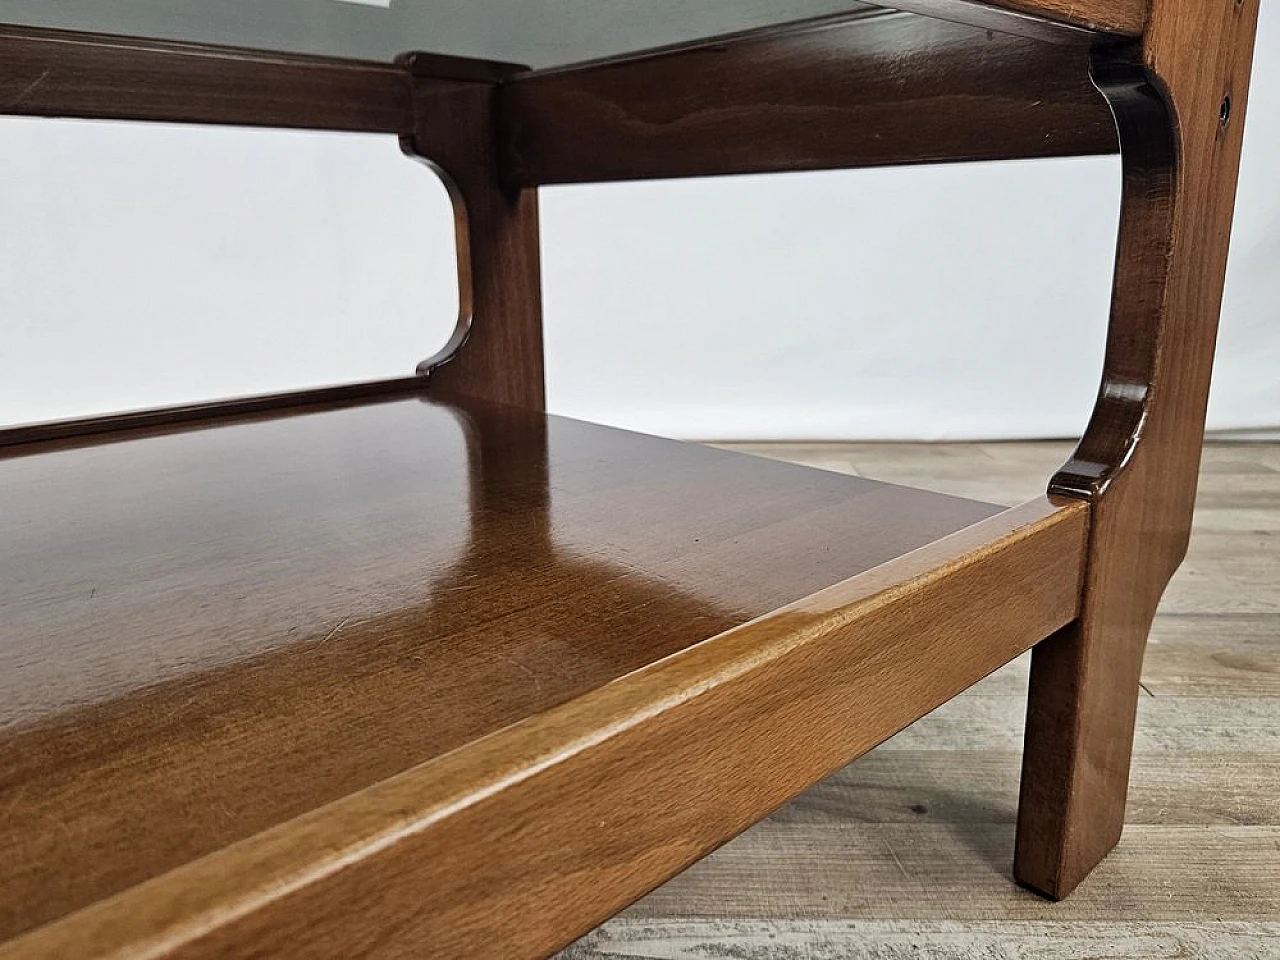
(537, 681)
(334, 632)
(30, 88)
(893, 853)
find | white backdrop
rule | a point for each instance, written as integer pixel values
(142, 265)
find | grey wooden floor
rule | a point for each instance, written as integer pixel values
(906, 852)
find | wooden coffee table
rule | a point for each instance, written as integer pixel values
(411, 668)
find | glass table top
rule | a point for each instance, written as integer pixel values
(539, 33)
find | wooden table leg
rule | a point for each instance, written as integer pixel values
(1178, 96)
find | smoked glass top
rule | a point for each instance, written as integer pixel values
(539, 33)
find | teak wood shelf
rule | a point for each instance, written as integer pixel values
(413, 668)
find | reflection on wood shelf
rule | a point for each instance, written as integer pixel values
(226, 627)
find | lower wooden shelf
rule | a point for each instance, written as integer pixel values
(430, 672)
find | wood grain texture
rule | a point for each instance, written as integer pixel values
(1249, 725)
(207, 632)
(905, 871)
(1214, 655)
(495, 353)
(1196, 789)
(57, 74)
(890, 88)
(1006, 473)
(585, 806)
(951, 781)
(935, 939)
(1191, 654)
(1179, 99)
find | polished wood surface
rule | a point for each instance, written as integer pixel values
(904, 854)
(209, 632)
(513, 844)
(1179, 98)
(429, 674)
(881, 88)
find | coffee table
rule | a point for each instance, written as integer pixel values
(411, 667)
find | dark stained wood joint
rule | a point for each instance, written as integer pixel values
(495, 351)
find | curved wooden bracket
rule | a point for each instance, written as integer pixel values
(462, 245)
(1145, 122)
(495, 352)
